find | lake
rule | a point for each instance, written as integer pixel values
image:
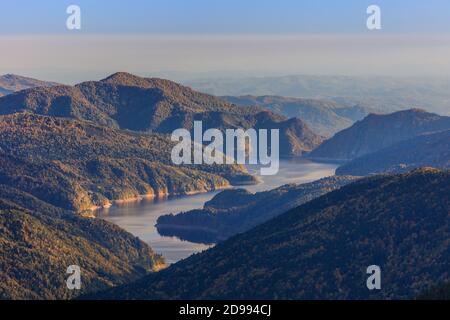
(139, 217)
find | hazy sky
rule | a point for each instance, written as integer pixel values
(223, 37)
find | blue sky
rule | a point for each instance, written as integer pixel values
(224, 16)
(195, 38)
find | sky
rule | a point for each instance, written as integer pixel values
(194, 38)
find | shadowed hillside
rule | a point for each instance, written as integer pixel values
(325, 117)
(237, 210)
(39, 241)
(432, 150)
(322, 248)
(376, 132)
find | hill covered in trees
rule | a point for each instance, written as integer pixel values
(376, 132)
(125, 101)
(92, 165)
(322, 249)
(236, 210)
(432, 150)
(39, 241)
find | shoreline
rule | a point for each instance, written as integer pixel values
(141, 197)
(327, 160)
(173, 248)
(256, 180)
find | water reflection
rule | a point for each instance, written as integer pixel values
(140, 217)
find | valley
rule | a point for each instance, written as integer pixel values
(140, 217)
(88, 171)
(207, 159)
(321, 249)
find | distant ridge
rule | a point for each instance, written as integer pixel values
(10, 83)
(426, 150)
(385, 94)
(324, 117)
(377, 131)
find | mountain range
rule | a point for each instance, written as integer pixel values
(378, 131)
(324, 117)
(381, 93)
(92, 165)
(55, 169)
(321, 249)
(66, 150)
(10, 83)
(125, 101)
(431, 149)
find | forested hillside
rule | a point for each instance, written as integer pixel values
(321, 250)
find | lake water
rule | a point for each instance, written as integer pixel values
(139, 218)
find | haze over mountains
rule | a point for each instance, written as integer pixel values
(325, 117)
(129, 102)
(10, 83)
(384, 94)
(376, 132)
(321, 249)
(430, 149)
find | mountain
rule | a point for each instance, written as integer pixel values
(10, 83)
(89, 165)
(381, 93)
(125, 101)
(432, 150)
(324, 117)
(321, 250)
(376, 132)
(236, 210)
(352, 111)
(39, 241)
